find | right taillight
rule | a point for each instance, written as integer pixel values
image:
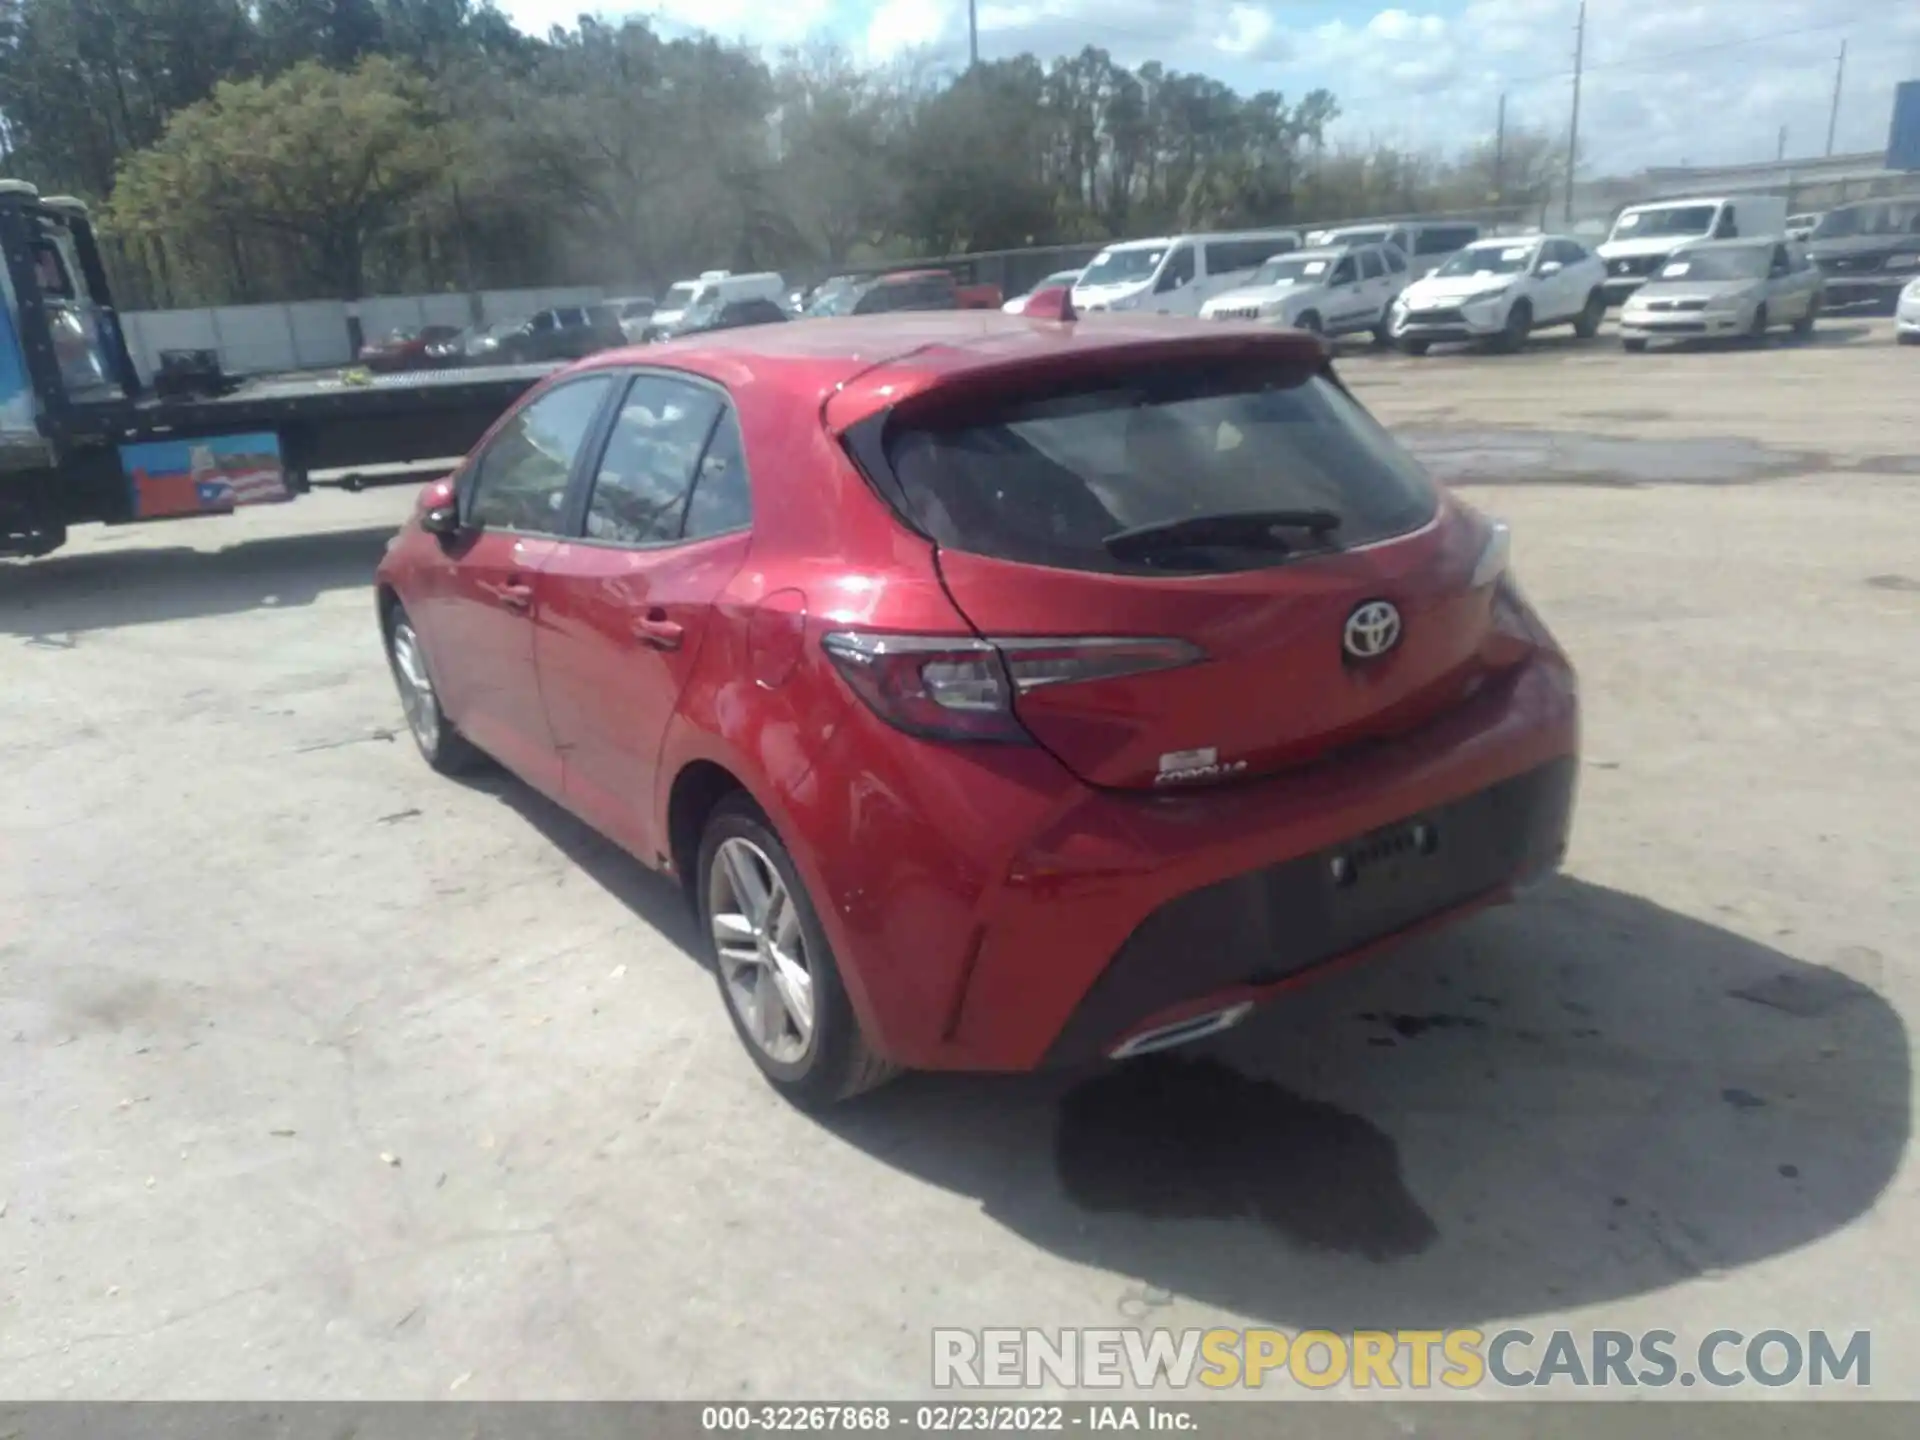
(958, 688)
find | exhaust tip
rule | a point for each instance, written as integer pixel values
(1182, 1032)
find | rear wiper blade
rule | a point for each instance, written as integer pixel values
(1258, 529)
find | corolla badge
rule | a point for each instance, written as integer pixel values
(1372, 630)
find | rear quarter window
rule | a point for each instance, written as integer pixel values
(1048, 480)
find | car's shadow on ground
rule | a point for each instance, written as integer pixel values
(100, 589)
(657, 899)
(1571, 1100)
(1577, 1099)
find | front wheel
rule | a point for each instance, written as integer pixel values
(1757, 331)
(777, 973)
(442, 745)
(1513, 335)
(1310, 322)
(1633, 347)
(1586, 325)
(1803, 327)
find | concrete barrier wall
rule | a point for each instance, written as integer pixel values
(312, 334)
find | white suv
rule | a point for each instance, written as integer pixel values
(1504, 290)
(1336, 290)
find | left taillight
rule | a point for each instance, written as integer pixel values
(948, 687)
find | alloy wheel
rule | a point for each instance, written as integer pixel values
(416, 688)
(762, 950)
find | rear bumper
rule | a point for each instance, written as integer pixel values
(993, 913)
(1243, 939)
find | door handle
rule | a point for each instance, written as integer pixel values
(655, 629)
(516, 596)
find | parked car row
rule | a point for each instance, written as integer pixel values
(1698, 267)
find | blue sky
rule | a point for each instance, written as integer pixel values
(1670, 81)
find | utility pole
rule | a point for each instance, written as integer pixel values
(973, 33)
(1500, 153)
(1781, 153)
(1833, 115)
(1573, 128)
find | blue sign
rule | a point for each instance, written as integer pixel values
(16, 389)
(1903, 138)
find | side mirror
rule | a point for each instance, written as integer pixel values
(438, 509)
(1549, 267)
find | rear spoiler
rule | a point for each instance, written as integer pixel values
(1044, 352)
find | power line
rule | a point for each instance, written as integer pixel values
(1643, 61)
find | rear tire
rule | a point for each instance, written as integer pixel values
(441, 744)
(777, 974)
(1633, 347)
(1416, 347)
(1586, 324)
(1757, 331)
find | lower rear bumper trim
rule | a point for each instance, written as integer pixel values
(1259, 929)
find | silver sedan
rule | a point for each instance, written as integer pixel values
(1724, 289)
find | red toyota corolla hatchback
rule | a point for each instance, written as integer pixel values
(1006, 692)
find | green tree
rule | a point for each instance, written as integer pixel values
(84, 83)
(320, 163)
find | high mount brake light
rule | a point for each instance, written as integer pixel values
(956, 688)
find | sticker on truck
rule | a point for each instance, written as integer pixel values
(209, 475)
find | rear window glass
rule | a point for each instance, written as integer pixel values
(1050, 481)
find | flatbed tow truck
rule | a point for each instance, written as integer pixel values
(83, 439)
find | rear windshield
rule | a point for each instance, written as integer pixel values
(1048, 481)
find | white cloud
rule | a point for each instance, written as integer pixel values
(1399, 25)
(1668, 81)
(762, 21)
(899, 26)
(1246, 31)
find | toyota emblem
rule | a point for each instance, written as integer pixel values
(1372, 630)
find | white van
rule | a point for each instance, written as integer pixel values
(713, 288)
(1427, 244)
(1643, 236)
(1175, 274)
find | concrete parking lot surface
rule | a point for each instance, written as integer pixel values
(323, 1076)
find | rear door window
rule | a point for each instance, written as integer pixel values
(1049, 481)
(640, 491)
(1370, 266)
